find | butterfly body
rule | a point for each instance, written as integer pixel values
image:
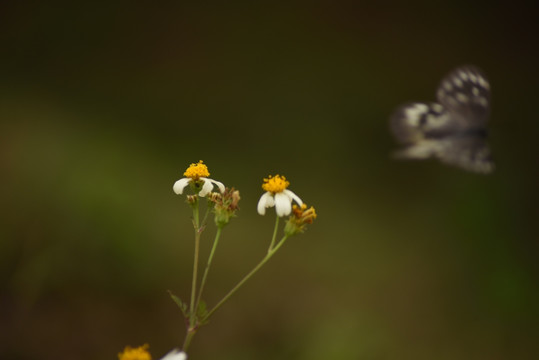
(452, 129)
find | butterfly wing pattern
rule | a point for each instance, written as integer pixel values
(452, 129)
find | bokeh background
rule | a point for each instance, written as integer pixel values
(103, 106)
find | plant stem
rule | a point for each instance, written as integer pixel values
(205, 217)
(196, 223)
(210, 258)
(274, 233)
(270, 253)
(188, 337)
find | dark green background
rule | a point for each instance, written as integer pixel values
(104, 106)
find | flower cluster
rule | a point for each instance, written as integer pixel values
(224, 205)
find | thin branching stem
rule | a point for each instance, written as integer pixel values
(246, 277)
(196, 223)
(210, 258)
(272, 243)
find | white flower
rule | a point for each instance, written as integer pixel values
(206, 188)
(277, 195)
(175, 355)
(196, 172)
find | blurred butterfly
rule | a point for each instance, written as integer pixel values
(453, 129)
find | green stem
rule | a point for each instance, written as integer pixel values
(188, 337)
(247, 277)
(205, 217)
(196, 223)
(274, 233)
(210, 258)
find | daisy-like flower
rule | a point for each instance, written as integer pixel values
(277, 195)
(197, 174)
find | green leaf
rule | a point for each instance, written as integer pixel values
(180, 303)
(202, 312)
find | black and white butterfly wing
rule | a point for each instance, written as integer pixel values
(452, 130)
(418, 122)
(465, 93)
(468, 152)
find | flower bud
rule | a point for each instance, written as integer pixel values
(226, 205)
(298, 220)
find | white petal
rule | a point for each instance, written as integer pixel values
(283, 204)
(180, 185)
(293, 196)
(175, 355)
(219, 185)
(270, 201)
(266, 200)
(206, 188)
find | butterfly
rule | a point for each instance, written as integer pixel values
(452, 129)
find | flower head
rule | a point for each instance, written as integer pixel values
(301, 216)
(197, 175)
(277, 195)
(225, 205)
(140, 353)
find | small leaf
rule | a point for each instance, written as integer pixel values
(202, 312)
(180, 303)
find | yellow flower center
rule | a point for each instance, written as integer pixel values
(275, 184)
(196, 171)
(140, 353)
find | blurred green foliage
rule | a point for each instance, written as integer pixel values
(102, 107)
